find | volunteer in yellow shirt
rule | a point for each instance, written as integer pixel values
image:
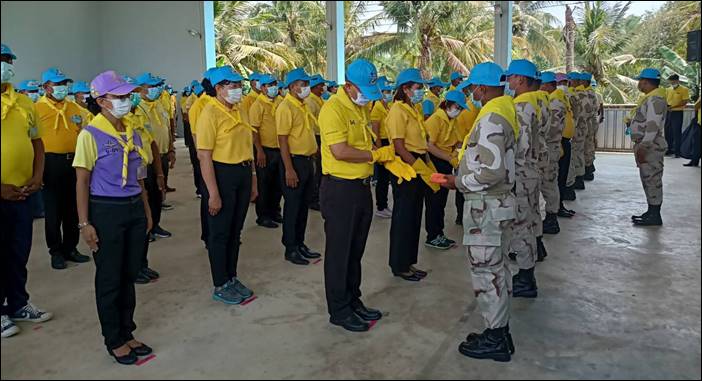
(114, 212)
(186, 99)
(250, 98)
(568, 133)
(347, 203)
(294, 125)
(225, 149)
(30, 88)
(436, 88)
(314, 103)
(443, 142)
(22, 166)
(382, 176)
(456, 79)
(262, 118)
(407, 132)
(157, 122)
(164, 97)
(81, 92)
(678, 96)
(60, 122)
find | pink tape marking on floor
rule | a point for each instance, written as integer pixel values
(38, 327)
(142, 361)
(317, 261)
(249, 300)
(372, 324)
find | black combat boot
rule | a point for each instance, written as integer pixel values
(653, 218)
(524, 284)
(589, 173)
(551, 224)
(579, 183)
(491, 344)
(540, 249)
(474, 335)
(569, 194)
(565, 212)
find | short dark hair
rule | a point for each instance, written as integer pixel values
(654, 82)
(93, 106)
(674, 77)
(400, 95)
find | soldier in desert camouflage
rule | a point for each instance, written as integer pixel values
(485, 177)
(649, 144)
(549, 179)
(543, 117)
(591, 138)
(585, 111)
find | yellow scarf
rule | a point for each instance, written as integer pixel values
(232, 114)
(450, 122)
(306, 114)
(138, 123)
(101, 123)
(569, 128)
(503, 106)
(360, 113)
(9, 101)
(417, 116)
(60, 113)
(531, 97)
(265, 99)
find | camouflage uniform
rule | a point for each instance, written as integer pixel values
(647, 135)
(549, 181)
(574, 100)
(544, 147)
(594, 124)
(486, 177)
(582, 125)
(526, 159)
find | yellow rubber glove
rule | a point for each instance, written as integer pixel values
(383, 154)
(425, 172)
(400, 169)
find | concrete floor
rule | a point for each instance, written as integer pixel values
(615, 301)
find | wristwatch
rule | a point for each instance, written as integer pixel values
(83, 225)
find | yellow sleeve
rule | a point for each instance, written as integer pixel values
(256, 115)
(433, 127)
(206, 131)
(86, 151)
(685, 93)
(395, 124)
(32, 120)
(283, 120)
(376, 114)
(332, 127)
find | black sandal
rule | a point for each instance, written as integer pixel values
(128, 359)
(142, 350)
(412, 278)
(419, 273)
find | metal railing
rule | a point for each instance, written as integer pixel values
(611, 136)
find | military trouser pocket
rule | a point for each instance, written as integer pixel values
(482, 220)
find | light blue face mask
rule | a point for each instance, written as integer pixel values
(509, 91)
(475, 103)
(417, 96)
(135, 98)
(60, 92)
(387, 97)
(361, 100)
(272, 91)
(153, 93)
(33, 96)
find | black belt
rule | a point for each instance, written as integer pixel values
(366, 181)
(115, 200)
(300, 157)
(246, 163)
(67, 156)
(419, 155)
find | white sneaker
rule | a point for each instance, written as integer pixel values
(8, 327)
(32, 314)
(385, 213)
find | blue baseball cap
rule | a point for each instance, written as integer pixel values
(384, 79)
(53, 75)
(461, 86)
(198, 89)
(486, 74)
(573, 76)
(409, 75)
(6, 51)
(297, 74)
(81, 87)
(224, 73)
(522, 67)
(548, 76)
(427, 107)
(128, 79)
(194, 83)
(28, 85)
(436, 82)
(265, 79)
(363, 74)
(586, 76)
(187, 89)
(147, 79)
(314, 80)
(254, 76)
(332, 84)
(649, 73)
(385, 86)
(458, 97)
(456, 75)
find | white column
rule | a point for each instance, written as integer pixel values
(335, 41)
(503, 33)
(209, 37)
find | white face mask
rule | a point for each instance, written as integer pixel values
(153, 93)
(233, 96)
(120, 107)
(361, 100)
(563, 88)
(8, 72)
(304, 92)
(453, 112)
(272, 91)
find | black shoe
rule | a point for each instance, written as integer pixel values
(128, 359)
(551, 224)
(142, 350)
(565, 213)
(152, 238)
(266, 223)
(634, 218)
(691, 164)
(295, 257)
(411, 278)
(142, 278)
(58, 262)
(592, 168)
(491, 344)
(579, 183)
(352, 323)
(541, 253)
(652, 219)
(589, 176)
(307, 253)
(419, 273)
(473, 336)
(524, 284)
(367, 314)
(568, 194)
(459, 221)
(314, 206)
(160, 232)
(169, 189)
(278, 219)
(151, 273)
(77, 257)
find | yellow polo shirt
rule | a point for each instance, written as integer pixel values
(340, 121)
(378, 114)
(223, 132)
(404, 122)
(677, 95)
(262, 118)
(314, 104)
(59, 134)
(465, 121)
(167, 104)
(442, 131)
(292, 118)
(19, 128)
(246, 103)
(196, 109)
(156, 122)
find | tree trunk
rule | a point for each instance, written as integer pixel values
(425, 57)
(569, 37)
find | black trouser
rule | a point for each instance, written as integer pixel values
(696, 155)
(165, 166)
(347, 210)
(204, 215)
(61, 210)
(269, 192)
(460, 201)
(564, 165)
(382, 176)
(16, 243)
(297, 201)
(317, 180)
(234, 185)
(155, 195)
(673, 135)
(120, 224)
(406, 224)
(192, 151)
(436, 202)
